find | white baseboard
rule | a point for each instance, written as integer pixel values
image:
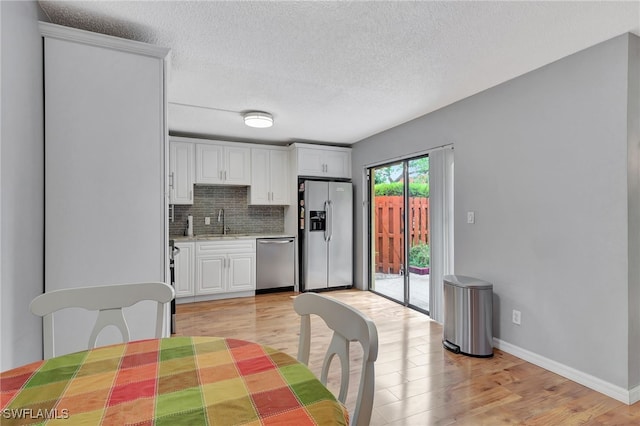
(634, 395)
(616, 392)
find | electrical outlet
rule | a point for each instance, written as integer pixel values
(516, 317)
(207, 221)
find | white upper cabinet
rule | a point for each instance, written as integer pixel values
(223, 164)
(279, 177)
(209, 164)
(260, 169)
(323, 161)
(269, 176)
(237, 165)
(338, 163)
(181, 172)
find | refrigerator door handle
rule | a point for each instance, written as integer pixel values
(330, 219)
(326, 226)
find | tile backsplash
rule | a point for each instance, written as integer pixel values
(240, 217)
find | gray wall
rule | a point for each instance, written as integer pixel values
(542, 160)
(21, 182)
(633, 137)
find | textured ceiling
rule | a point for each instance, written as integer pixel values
(337, 72)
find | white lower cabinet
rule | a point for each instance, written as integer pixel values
(242, 272)
(184, 275)
(225, 268)
(210, 271)
(226, 273)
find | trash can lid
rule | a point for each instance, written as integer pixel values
(467, 282)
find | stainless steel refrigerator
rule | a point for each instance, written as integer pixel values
(327, 209)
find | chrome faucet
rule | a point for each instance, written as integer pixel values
(221, 216)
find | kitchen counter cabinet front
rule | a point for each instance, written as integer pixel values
(184, 270)
(226, 268)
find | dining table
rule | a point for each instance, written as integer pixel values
(174, 381)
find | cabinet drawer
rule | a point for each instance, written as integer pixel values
(226, 246)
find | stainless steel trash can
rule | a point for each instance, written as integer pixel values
(468, 316)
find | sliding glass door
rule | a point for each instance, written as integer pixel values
(387, 222)
(418, 233)
(399, 221)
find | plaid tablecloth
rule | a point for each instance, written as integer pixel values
(174, 381)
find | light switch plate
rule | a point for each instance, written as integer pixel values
(471, 217)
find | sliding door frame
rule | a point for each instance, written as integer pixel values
(435, 296)
(406, 229)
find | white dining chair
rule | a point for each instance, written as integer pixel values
(348, 325)
(108, 300)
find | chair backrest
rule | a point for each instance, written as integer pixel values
(348, 325)
(108, 300)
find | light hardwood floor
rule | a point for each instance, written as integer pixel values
(417, 381)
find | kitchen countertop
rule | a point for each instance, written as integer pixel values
(215, 237)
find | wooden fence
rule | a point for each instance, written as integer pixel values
(389, 236)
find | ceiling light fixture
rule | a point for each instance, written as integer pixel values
(258, 119)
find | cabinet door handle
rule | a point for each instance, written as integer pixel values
(225, 175)
(171, 177)
(191, 195)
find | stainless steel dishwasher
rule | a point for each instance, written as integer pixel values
(274, 264)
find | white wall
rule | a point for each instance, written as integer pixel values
(542, 160)
(21, 182)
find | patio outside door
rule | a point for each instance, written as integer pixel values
(399, 220)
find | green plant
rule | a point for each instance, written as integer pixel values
(397, 188)
(419, 256)
(420, 190)
(394, 188)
